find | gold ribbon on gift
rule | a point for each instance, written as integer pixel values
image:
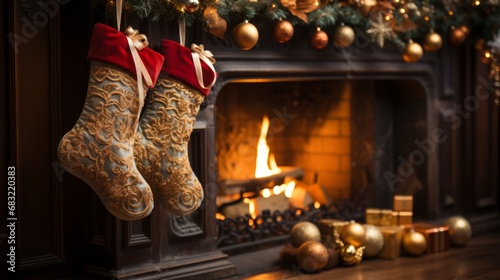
(199, 53)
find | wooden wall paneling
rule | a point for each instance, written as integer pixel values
(36, 92)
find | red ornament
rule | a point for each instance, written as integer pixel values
(283, 31)
(319, 40)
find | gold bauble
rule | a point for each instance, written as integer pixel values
(460, 230)
(192, 6)
(433, 42)
(319, 40)
(414, 243)
(283, 31)
(353, 234)
(245, 35)
(303, 232)
(312, 256)
(366, 6)
(413, 52)
(374, 240)
(457, 36)
(351, 255)
(343, 36)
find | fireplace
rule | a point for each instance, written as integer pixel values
(362, 130)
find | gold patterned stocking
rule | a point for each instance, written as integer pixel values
(161, 151)
(99, 148)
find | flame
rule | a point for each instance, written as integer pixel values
(251, 208)
(289, 189)
(219, 216)
(265, 164)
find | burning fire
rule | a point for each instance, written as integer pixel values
(266, 163)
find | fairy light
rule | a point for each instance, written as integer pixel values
(426, 18)
(476, 3)
(388, 18)
(450, 12)
(402, 10)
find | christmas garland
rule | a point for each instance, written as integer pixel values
(389, 23)
(407, 19)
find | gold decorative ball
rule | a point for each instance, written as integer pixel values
(245, 35)
(414, 243)
(457, 36)
(283, 31)
(319, 40)
(312, 256)
(343, 36)
(374, 240)
(433, 42)
(192, 6)
(353, 234)
(351, 255)
(460, 230)
(303, 232)
(413, 52)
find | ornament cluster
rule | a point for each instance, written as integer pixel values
(409, 26)
(331, 243)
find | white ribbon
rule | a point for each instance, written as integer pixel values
(199, 53)
(137, 42)
(119, 5)
(182, 31)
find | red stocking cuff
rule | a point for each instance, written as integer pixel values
(179, 64)
(111, 46)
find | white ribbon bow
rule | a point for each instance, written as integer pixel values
(199, 53)
(137, 42)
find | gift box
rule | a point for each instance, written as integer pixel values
(393, 237)
(403, 203)
(402, 218)
(378, 217)
(330, 230)
(437, 237)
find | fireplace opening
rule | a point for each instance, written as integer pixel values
(333, 140)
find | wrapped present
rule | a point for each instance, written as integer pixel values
(403, 203)
(393, 237)
(402, 218)
(372, 216)
(378, 217)
(385, 217)
(437, 237)
(330, 230)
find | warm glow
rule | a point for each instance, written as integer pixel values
(246, 200)
(477, 3)
(251, 208)
(402, 10)
(277, 190)
(426, 18)
(265, 165)
(219, 216)
(388, 18)
(266, 193)
(316, 205)
(450, 13)
(289, 189)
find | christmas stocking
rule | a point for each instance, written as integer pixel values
(165, 128)
(99, 148)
